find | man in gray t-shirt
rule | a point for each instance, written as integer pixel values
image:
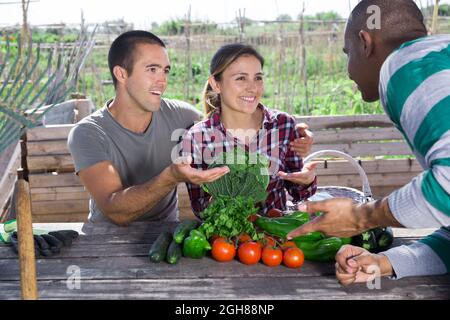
(123, 153)
(137, 157)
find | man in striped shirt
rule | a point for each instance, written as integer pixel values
(410, 72)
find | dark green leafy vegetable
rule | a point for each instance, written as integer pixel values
(248, 176)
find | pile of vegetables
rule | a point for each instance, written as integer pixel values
(315, 246)
(233, 201)
(232, 228)
(235, 194)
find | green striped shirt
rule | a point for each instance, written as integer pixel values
(415, 93)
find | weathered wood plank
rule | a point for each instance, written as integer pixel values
(333, 167)
(62, 206)
(380, 192)
(367, 149)
(49, 132)
(357, 134)
(57, 162)
(54, 180)
(62, 217)
(156, 227)
(83, 195)
(47, 147)
(287, 288)
(84, 248)
(113, 263)
(142, 268)
(343, 121)
(354, 181)
(9, 163)
(56, 190)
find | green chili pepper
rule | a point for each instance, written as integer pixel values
(346, 240)
(323, 250)
(299, 215)
(310, 237)
(279, 227)
(196, 245)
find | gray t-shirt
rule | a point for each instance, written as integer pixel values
(137, 157)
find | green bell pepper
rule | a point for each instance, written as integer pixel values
(196, 245)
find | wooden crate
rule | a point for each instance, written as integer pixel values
(368, 138)
(57, 194)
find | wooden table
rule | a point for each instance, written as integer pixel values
(112, 263)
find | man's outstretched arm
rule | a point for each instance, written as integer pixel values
(123, 206)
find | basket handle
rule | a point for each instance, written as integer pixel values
(362, 174)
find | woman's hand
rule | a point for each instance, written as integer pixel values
(302, 146)
(304, 177)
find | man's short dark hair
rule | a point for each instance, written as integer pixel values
(401, 20)
(122, 49)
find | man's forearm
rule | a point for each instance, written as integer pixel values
(377, 214)
(125, 206)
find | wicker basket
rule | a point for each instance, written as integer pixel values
(344, 192)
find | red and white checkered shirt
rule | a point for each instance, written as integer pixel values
(208, 138)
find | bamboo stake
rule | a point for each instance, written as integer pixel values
(303, 61)
(187, 33)
(27, 260)
(435, 16)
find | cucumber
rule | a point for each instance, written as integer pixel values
(158, 251)
(183, 229)
(173, 253)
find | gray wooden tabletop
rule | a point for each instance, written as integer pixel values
(110, 262)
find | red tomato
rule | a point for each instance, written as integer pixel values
(214, 238)
(244, 238)
(293, 258)
(287, 245)
(222, 250)
(249, 253)
(271, 256)
(268, 240)
(274, 213)
(253, 217)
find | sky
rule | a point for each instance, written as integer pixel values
(142, 13)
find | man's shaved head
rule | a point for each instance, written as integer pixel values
(401, 21)
(372, 35)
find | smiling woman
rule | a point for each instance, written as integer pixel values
(236, 118)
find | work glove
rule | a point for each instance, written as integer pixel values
(47, 245)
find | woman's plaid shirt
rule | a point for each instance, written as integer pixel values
(209, 138)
